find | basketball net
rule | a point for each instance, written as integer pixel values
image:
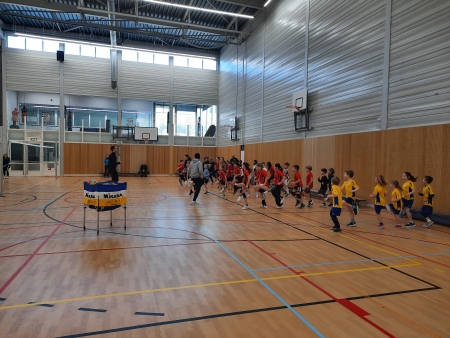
(145, 140)
(294, 108)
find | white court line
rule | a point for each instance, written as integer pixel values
(12, 192)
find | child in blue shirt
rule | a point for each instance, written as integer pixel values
(206, 175)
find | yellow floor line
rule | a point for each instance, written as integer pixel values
(67, 300)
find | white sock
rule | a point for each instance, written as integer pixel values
(428, 219)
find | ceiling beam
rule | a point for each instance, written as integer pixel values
(45, 4)
(117, 28)
(258, 4)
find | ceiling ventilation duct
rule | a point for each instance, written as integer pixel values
(112, 34)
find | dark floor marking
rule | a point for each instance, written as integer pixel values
(91, 310)
(149, 314)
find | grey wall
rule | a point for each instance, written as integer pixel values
(33, 71)
(367, 62)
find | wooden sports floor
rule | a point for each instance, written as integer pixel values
(211, 270)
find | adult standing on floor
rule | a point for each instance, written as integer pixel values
(6, 162)
(196, 174)
(112, 164)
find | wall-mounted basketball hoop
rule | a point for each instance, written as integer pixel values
(299, 108)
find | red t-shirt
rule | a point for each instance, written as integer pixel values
(297, 177)
(217, 166)
(271, 171)
(309, 180)
(246, 173)
(230, 171)
(279, 177)
(237, 172)
(222, 176)
(261, 177)
(180, 167)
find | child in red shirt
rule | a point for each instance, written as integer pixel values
(309, 185)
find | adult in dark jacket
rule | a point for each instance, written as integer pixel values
(112, 164)
(6, 162)
(143, 170)
(196, 174)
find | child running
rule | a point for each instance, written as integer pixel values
(336, 199)
(278, 180)
(206, 176)
(222, 178)
(298, 187)
(262, 183)
(350, 188)
(428, 196)
(181, 172)
(408, 196)
(396, 202)
(379, 192)
(323, 180)
(309, 185)
(245, 185)
(286, 179)
(330, 177)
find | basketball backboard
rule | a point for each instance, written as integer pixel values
(141, 133)
(300, 98)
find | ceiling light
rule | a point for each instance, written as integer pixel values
(200, 9)
(268, 2)
(97, 44)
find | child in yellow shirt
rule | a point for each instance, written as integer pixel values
(336, 200)
(379, 192)
(396, 201)
(428, 196)
(350, 187)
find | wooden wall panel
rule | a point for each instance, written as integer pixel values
(227, 152)
(84, 158)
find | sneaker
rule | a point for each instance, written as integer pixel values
(245, 207)
(206, 192)
(287, 195)
(323, 205)
(265, 193)
(310, 203)
(257, 195)
(332, 228)
(297, 203)
(263, 206)
(194, 202)
(428, 224)
(380, 226)
(282, 200)
(330, 205)
(351, 224)
(397, 226)
(223, 196)
(179, 181)
(239, 198)
(336, 230)
(410, 225)
(355, 209)
(279, 206)
(301, 206)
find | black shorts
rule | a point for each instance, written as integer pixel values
(222, 182)
(229, 178)
(238, 179)
(307, 190)
(322, 192)
(205, 181)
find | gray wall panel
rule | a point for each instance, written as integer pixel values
(31, 71)
(227, 92)
(345, 66)
(197, 86)
(419, 82)
(283, 67)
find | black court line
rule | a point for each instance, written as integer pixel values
(44, 305)
(236, 313)
(337, 245)
(91, 310)
(2, 299)
(149, 313)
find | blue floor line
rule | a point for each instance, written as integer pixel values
(298, 315)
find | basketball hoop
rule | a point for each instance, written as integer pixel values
(145, 140)
(294, 107)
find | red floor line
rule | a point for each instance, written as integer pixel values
(372, 240)
(34, 226)
(11, 279)
(275, 258)
(79, 180)
(352, 307)
(28, 240)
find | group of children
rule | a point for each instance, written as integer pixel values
(239, 178)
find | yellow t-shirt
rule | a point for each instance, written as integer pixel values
(408, 186)
(337, 201)
(394, 196)
(380, 195)
(349, 186)
(428, 195)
